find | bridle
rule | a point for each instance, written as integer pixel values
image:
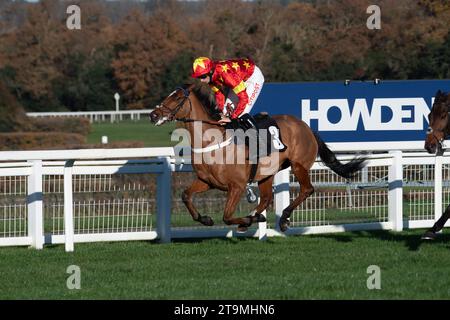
(172, 112)
(430, 130)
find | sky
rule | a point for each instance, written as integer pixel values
(108, 0)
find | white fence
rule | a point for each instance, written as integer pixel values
(44, 197)
(96, 116)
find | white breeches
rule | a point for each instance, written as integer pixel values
(253, 86)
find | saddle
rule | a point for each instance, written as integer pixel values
(261, 129)
(271, 137)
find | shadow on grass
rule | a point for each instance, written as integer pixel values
(233, 240)
(412, 241)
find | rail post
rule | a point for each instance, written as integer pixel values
(437, 187)
(68, 206)
(282, 199)
(164, 201)
(35, 206)
(395, 196)
(262, 226)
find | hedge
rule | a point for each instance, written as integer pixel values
(40, 140)
(56, 140)
(62, 124)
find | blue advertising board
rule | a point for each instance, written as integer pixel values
(359, 111)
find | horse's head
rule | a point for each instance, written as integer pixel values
(190, 100)
(439, 124)
(176, 106)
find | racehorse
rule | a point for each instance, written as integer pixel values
(438, 130)
(191, 105)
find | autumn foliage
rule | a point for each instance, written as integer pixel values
(144, 49)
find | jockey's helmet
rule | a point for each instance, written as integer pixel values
(201, 66)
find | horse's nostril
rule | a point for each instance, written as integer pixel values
(153, 117)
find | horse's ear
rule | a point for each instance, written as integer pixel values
(439, 93)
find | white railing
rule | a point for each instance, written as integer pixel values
(27, 177)
(96, 116)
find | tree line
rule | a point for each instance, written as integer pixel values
(143, 50)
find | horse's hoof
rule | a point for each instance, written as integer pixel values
(284, 224)
(256, 218)
(241, 228)
(206, 221)
(429, 235)
(260, 218)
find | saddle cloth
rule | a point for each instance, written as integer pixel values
(270, 134)
(267, 136)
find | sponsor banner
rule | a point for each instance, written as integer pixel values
(357, 112)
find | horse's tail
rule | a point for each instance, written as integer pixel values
(347, 170)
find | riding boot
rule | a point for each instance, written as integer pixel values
(248, 122)
(249, 125)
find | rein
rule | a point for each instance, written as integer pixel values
(212, 122)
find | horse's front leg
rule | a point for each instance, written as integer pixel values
(431, 234)
(234, 195)
(265, 199)
(196, 187)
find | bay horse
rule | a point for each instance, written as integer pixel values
(189, 104)
(438, 130)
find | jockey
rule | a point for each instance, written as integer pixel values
(236, 84)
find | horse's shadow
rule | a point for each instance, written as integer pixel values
(412, 241)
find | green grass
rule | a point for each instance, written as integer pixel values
(142, 130)
(330, 266)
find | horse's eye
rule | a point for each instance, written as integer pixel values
(429, 130)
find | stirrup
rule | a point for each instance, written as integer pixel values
(251, 195)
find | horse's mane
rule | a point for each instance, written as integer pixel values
(441, 101)
(207, 99)
(442, 96)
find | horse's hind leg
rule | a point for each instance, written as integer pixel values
(306, 189)
(265, 199)
(196, 187)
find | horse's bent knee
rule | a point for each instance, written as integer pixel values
(268, 202)
(227, 221)
(306, 192)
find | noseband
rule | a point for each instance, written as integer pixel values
(430, 130)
